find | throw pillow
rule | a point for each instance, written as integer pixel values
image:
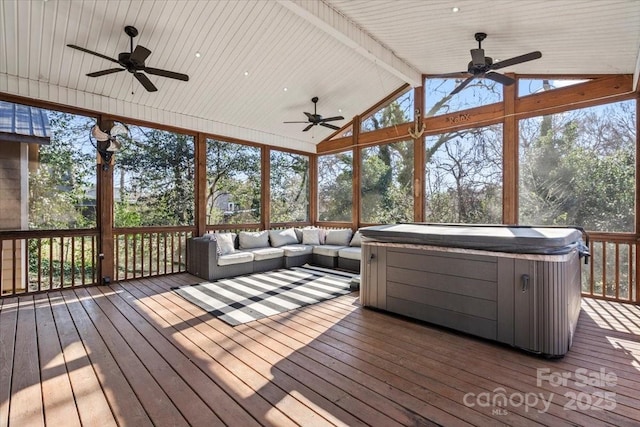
(225, 243)
(338, 237)
(254, 239)
(282, 237)
(311, 236)
(357, 239)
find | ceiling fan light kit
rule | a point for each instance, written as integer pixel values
(133, 62)
(482, 66)
(316, 119)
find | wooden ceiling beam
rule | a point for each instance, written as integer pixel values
(342, 29)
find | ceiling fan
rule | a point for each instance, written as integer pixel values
(316, 119)
(133, 62)
(483, 66)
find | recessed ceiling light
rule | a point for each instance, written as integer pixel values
(198, 54)
(339, 110)
(285, 89)
(455, 9)
(246, 73)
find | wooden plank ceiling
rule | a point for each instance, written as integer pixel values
(348, 53)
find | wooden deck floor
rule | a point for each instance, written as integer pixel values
(137, 354)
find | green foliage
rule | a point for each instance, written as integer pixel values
(386, 192)
(386, 184)
(335, 187)
(578, 168)
(233, 175)
(126, 215)
(154, 178)
(63, 175)
(50, 264)
(289, 187)
(396, 112)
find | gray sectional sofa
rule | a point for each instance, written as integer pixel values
(220, 255)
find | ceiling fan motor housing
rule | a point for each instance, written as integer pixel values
(127, 61)
(480, 69)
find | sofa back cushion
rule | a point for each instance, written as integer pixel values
(254, 239)
(357, 239)
(340, 237)
(225, 243)
(283, 237)
(310, 236)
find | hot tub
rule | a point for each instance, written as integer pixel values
(516, 285)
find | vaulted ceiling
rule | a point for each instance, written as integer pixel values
(349, 53)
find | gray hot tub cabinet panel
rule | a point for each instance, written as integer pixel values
(528, 303)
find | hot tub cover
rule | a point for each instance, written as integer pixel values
(497, 238)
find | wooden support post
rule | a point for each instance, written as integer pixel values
(265, 194)
(637, 211)
(355, 207)
(510, 143)
(313, 188)
(418, 156)
(200, 184)
(104, 218)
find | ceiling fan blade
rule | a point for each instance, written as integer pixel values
(92, 52)
(516, 60)
(105, 72)
(165, 73)
(307, 121)
(145, 82)
(139, 55)
(327, 125)
(477, 56)
(462, 85)
(309, 115)
(331, 119)
(500, 78)
(307, 128)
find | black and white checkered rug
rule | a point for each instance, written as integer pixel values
(246, 298)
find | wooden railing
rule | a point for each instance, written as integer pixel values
(150, 251)
(35, 261)
(612, 269)
(231, 228)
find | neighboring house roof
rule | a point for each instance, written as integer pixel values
(21, 123)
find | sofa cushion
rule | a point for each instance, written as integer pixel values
(352, 252)
(283, 237)
(260, 254)
(356, 240)
(225, 243)
(310, 236)
(340, 237)
(327, 250)
(297, 250)
(211, 236)
(254, 239)
(236, 257)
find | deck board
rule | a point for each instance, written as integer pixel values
(135, 353)
(56, 386)
(8, 321)
(26, 394)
